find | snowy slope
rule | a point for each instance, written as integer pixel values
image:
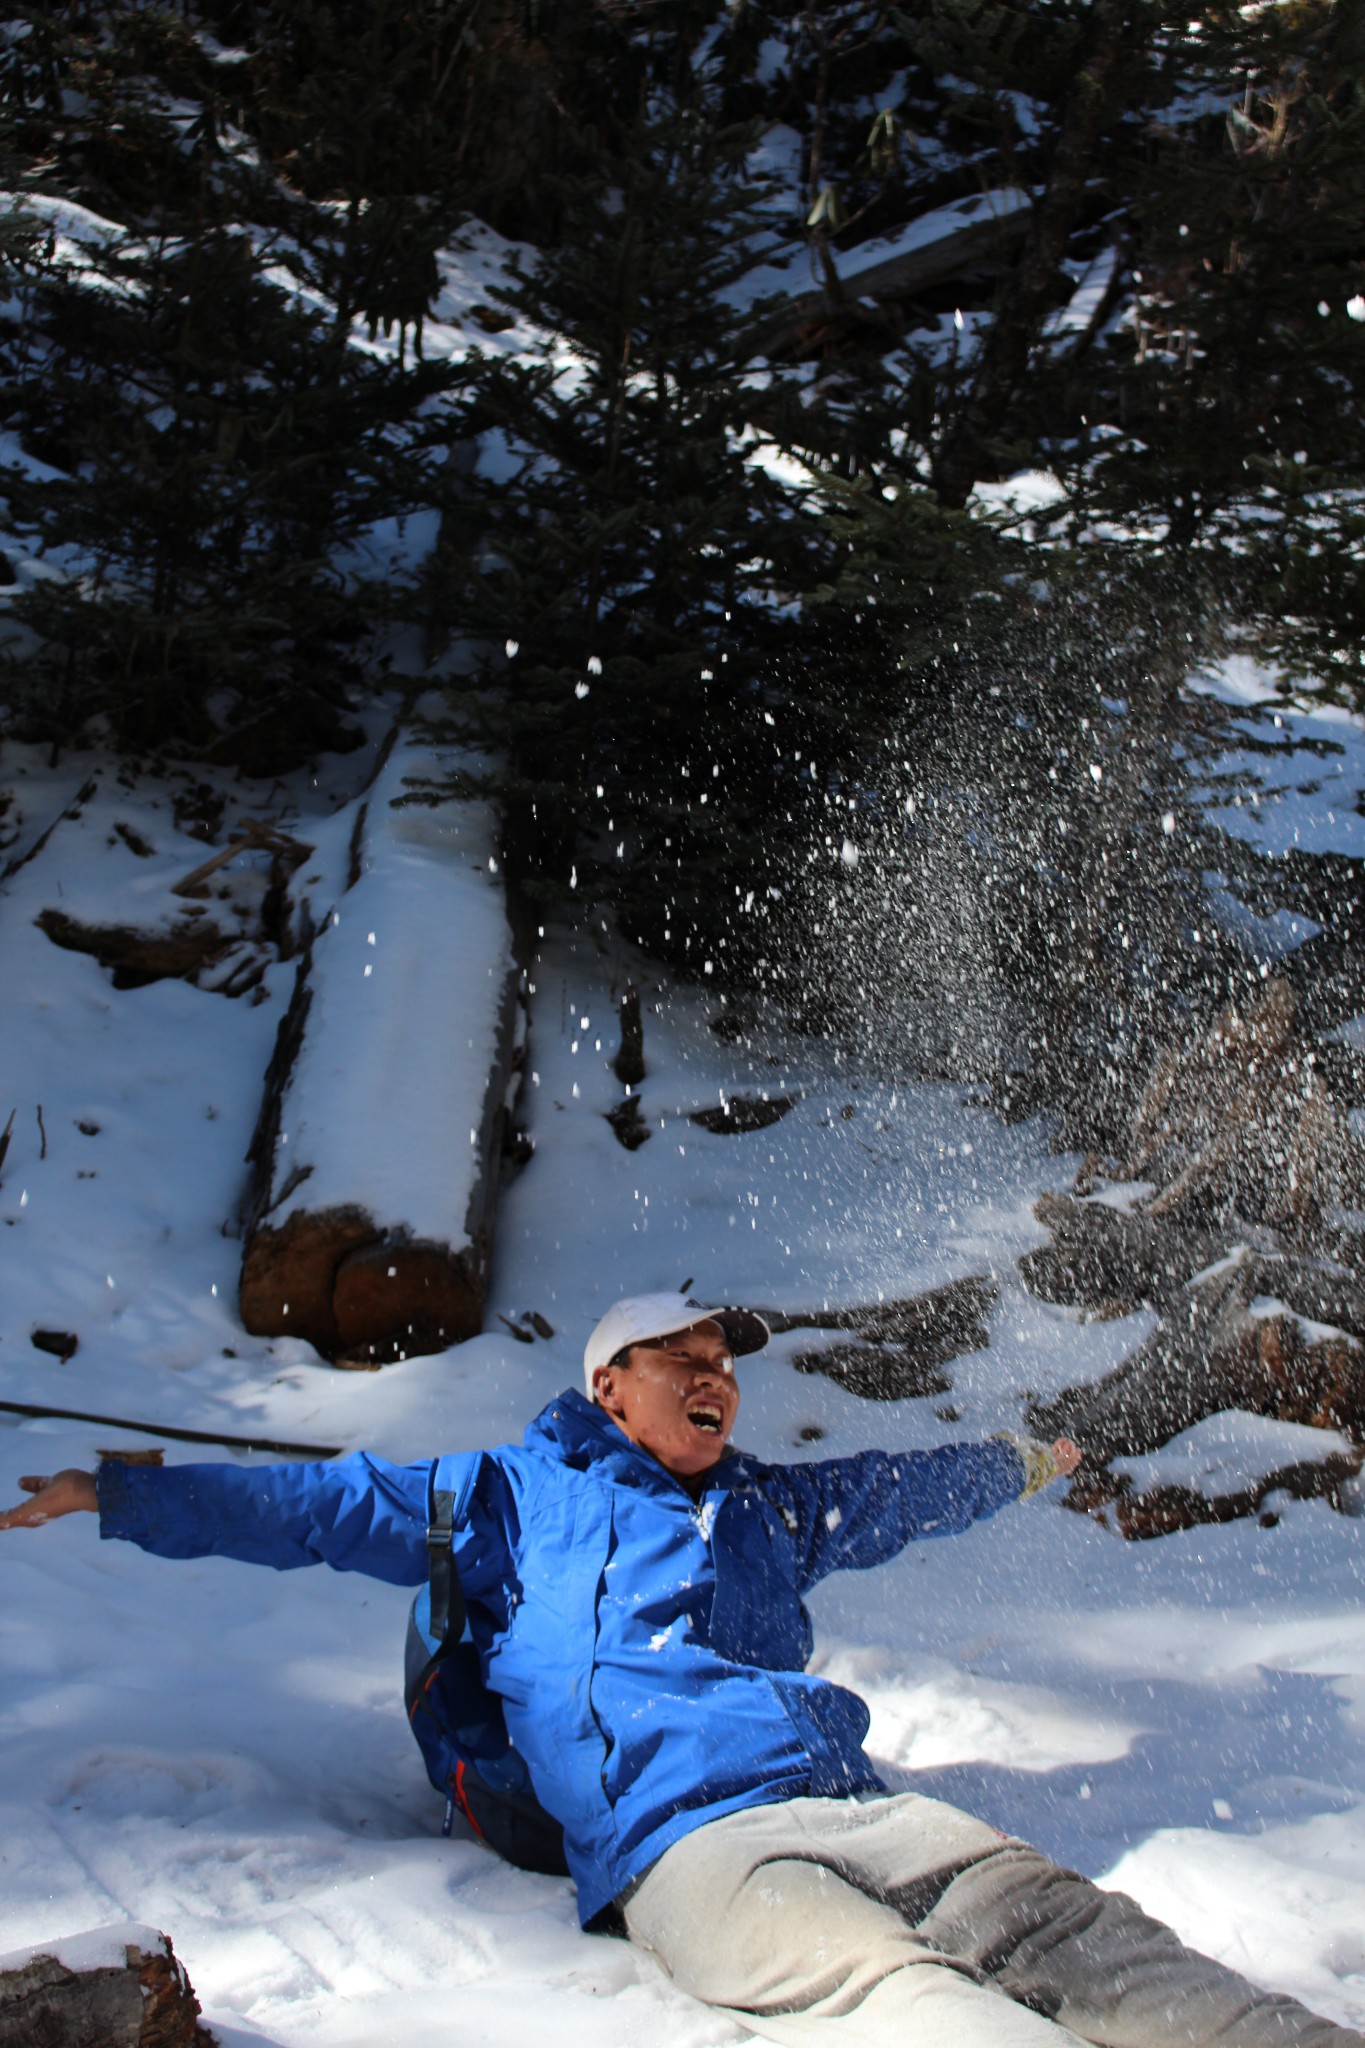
(221, 1752)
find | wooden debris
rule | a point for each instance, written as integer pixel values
(63, 1344)
(960, 1309)
(135, 958)
(194, 944)
(117, 1988)
(1342, 1068)
(737, 1021)
(253, 835)
(1247, 1157)
(134, 840)
(492, 319)
(629, 1125)
(1109, 1261)
(1328, 970)
(152, 1455)
(742, 1114)
(904, 1343)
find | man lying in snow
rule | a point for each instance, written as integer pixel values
(634, 1591)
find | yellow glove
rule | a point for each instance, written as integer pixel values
(1040, 1467)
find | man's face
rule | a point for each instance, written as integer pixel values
(676, 1397)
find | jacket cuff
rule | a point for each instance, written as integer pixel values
(120, 1511)
(1040, 1467)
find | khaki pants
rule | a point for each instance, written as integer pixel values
(898, 1922)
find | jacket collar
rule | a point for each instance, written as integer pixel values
(577, 1432)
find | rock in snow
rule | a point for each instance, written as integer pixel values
(115, 1987)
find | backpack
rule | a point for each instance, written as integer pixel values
(459, 1723)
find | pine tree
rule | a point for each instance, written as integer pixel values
(656, 707)
(1224, 422)
(352, 105)
(217, 444)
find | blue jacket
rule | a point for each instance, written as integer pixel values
(649, 1649)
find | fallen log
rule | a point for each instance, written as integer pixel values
(376, 1156)
(116, 1987)
(951, 241)
(904, 1344)
(1231, 1340)
(135, 959)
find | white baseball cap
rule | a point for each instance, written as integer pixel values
(642, 1317)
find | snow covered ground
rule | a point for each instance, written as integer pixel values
(221, 1752)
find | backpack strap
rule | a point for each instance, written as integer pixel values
(447, 1596)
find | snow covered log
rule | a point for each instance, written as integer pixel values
(376, 1154)
(117, 1987)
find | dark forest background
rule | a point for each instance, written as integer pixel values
(770, 663)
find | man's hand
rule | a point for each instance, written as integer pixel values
(1042, 1463)
(64, 1493)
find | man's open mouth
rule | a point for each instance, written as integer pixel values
(706, 1415)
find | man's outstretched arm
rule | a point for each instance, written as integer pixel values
(357, 1514)
(850, 1513)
